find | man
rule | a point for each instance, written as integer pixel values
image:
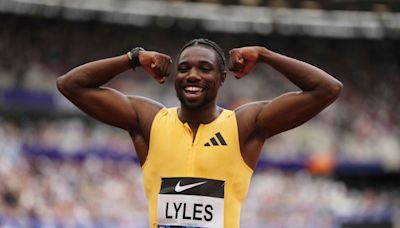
(197, 159)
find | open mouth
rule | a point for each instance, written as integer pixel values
(193, 93)
(193, 89)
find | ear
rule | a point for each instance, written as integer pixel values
(223, 77)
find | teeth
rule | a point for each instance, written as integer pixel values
(193, 89)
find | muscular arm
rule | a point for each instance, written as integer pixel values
(82, 86)
(261, 120)
(290, 110)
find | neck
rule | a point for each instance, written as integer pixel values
(202, 115)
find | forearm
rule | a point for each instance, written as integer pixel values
(303, 75)
(93, 74)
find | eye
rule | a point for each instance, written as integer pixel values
(205, 69)
(182, 69)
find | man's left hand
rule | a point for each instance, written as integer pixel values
(243, 60)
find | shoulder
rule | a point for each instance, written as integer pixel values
(246, 116)
(146, 109)
(250, 111)
(139, 100)
(144, 105)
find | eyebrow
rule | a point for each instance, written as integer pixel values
(201, 62)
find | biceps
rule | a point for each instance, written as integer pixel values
(106, 105)
(289, 111)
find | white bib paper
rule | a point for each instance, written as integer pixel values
(191, 202)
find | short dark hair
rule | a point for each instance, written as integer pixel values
(209, 44)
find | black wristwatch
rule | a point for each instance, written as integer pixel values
(133, 56)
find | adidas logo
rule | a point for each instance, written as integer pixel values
(214, 141)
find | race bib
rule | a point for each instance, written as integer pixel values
(191, 202)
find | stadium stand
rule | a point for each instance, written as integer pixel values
(339, 170)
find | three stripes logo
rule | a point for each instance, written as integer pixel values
(218, 140)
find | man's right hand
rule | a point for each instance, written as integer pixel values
(156, 64)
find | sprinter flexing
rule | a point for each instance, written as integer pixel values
(197, 159)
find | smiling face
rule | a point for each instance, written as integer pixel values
(198, 77)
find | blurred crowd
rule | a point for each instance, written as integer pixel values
(96, 192)
(361, 127)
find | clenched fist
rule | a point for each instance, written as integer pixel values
(156, 64)
(243, 60)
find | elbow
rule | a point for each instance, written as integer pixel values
(66, 85)
(61, 84)
(337, 88)
(334, 89)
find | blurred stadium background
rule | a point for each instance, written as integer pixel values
(59, 168)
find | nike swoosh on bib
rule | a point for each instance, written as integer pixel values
(180, 188)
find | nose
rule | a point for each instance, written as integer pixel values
(193, 75)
